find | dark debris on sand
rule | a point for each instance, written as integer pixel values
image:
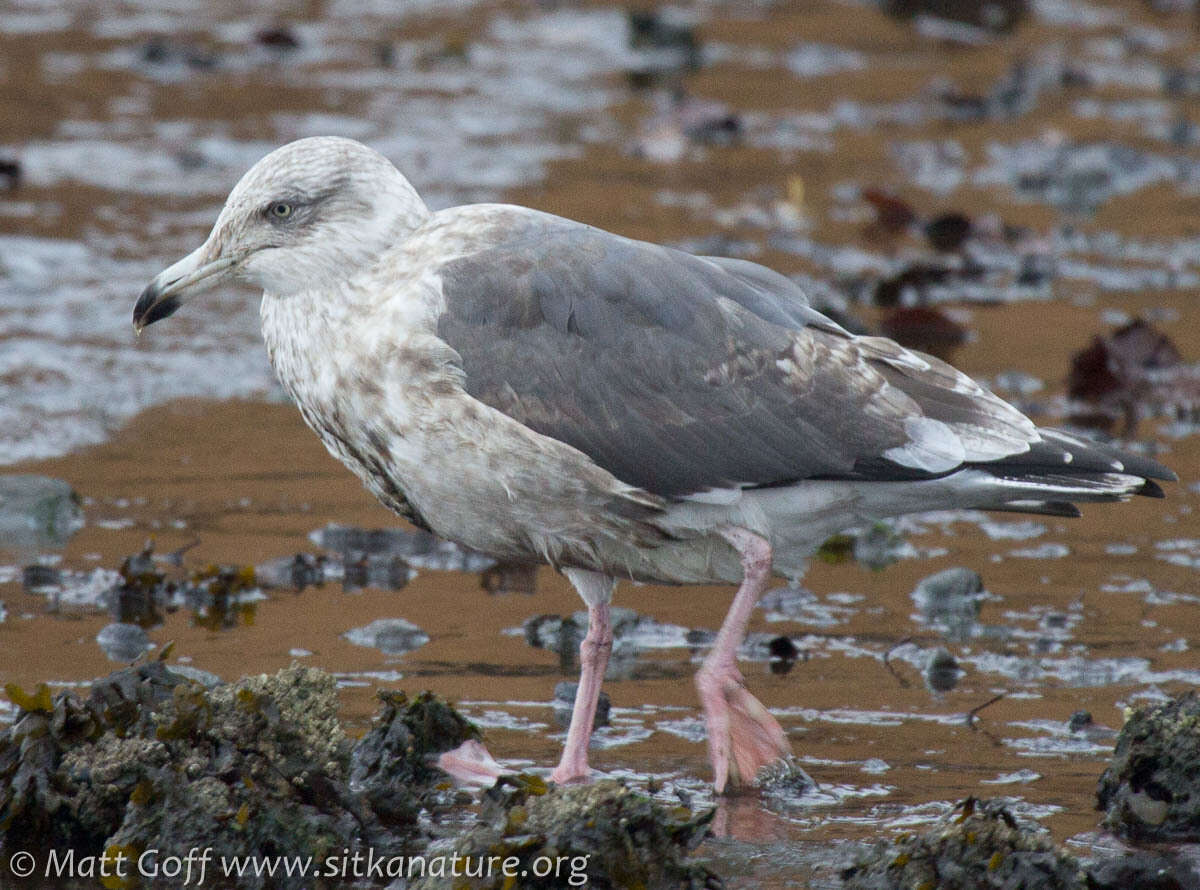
(1134, 373)
(1151, 790)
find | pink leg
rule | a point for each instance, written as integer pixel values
(593, 658)
(742, 736)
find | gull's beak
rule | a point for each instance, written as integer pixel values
(199, 270)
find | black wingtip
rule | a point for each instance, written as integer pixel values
(1151, 489)
(1064, 509)
(1150, 469)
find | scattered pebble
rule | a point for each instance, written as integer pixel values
(123, 642)
(925, 328)
(279, 38)
(391, 636)
(36, 513)
(673, 39)
(951, 601)
(509, 577)
(564, 701)
(942, 671)
(419, 549)
(892, 214)
(631, 631)
(10, 173)
(1134, 373)
(164, 52)
(1080, 721)
(948, 231)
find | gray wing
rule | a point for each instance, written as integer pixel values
(680, 374)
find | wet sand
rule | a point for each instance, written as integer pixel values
(1095, 629)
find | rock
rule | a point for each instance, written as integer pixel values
(1113, 363)
(994, 16)
(386, 573)
(1081, 724)
(878, 546)
(925, 328)
(154, 761)
(631, 632)
(948, 231)
(554, 633)
(419, 549)
(392, 765)
(207, 679)
(162, 51)
(281, 38)
(391, 636)
(1141, 870)
(222, 596)
(783, 780)
(1151, 789)
(950, 600)
(783, 649)
(1135, 373)
(564, 701)
(509, 577)
(892, 214)
(600, 835)
(978, 846)
(123, 642)
(909, 285)
(942, 672)
(669, 44)
(296, 572)
(37, 512)
(10, 173)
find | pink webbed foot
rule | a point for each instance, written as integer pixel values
(471, 764)
(743, 737)
(571, 773)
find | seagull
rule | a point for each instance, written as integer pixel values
(539, 389)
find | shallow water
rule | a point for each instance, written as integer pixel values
(1069, 145)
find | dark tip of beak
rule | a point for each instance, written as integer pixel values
(151, 308)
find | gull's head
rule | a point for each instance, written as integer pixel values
(307, 215)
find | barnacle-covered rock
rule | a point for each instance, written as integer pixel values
(979, 846)
(1151, 790)
(601, 835)
(155, 761)
(393, 764)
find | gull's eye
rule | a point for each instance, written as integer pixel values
(280, 210)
